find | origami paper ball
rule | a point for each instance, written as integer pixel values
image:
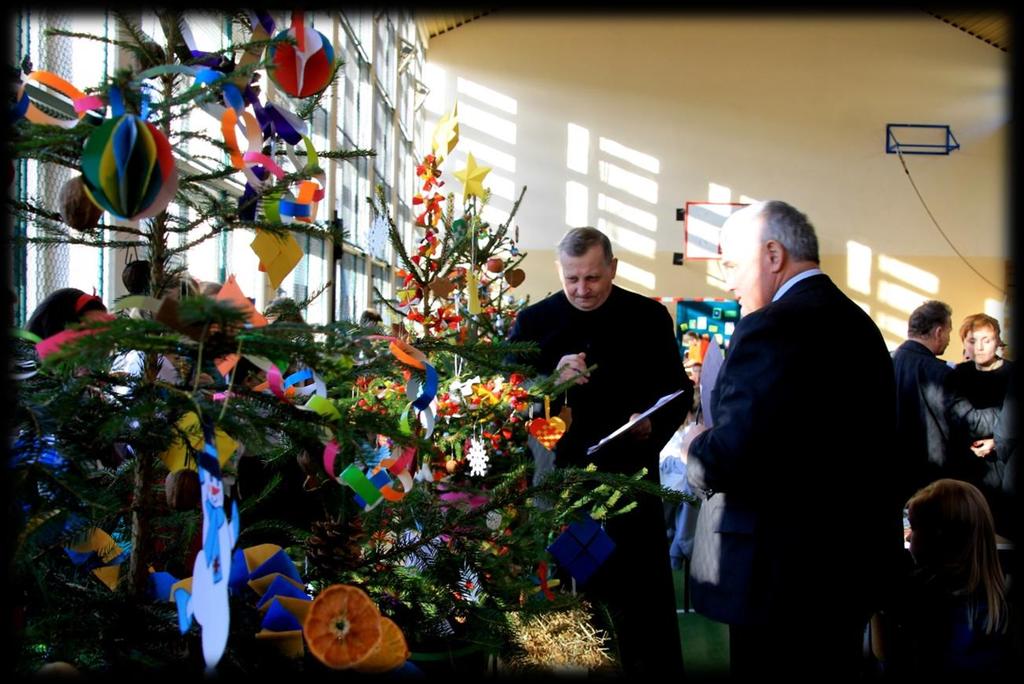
(302, 73)
(128, 168)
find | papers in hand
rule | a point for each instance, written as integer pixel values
(713, 361)
(657, 405)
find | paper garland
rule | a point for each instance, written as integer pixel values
(27, 108)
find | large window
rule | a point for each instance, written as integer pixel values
(39, 270)
(371, 106)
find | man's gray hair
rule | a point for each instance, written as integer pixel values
(788, 226)
(578, 241)
(926, 317)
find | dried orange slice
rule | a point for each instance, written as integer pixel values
(390, 653)
(343, 626)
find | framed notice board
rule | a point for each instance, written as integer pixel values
(715, 318)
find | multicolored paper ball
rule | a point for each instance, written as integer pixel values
(302, 73)
(128, 168)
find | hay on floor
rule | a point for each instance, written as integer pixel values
(561, 641)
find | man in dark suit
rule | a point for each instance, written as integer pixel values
(629, 338)
(922, 431)
(800, 524)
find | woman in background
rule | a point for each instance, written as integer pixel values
(975, 393)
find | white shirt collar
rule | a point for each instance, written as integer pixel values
(803, 275)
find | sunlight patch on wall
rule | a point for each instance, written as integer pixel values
(635, 274)
(911, 275)
(501, 186)
(893, 325)
(633, 183)
(719, 193)
(899, 297)
(493, 215)
(437, 100)
(577, 200)
(714, 276)
(486, 122)
(858, 267)
(634, 157)
(996, 309)
(627, 212)
(746, 199)
(577, 149)
(863, 305)
(629, 240)
(487, 155)
(486, 95)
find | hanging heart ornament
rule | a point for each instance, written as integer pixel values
(547, 431)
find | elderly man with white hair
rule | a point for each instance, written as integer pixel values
(800, 526)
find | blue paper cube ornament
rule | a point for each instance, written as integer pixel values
(582, 548)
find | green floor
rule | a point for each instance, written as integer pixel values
(705, 642)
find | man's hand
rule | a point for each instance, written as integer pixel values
(983, 447)
(641, 430)
(572, 366)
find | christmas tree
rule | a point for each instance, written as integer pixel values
(186, 520)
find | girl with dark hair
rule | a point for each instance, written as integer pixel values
(65, 307)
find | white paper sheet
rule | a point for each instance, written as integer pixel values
(657, 405)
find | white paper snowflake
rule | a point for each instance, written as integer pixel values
(477, 457)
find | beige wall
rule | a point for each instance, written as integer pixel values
(615, 121)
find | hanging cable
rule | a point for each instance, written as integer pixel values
(939, 228)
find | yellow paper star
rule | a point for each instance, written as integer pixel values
(472, 178)
(446, 133)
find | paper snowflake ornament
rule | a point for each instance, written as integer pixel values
(477, 457)
(472, 177)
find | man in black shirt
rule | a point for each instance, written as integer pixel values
(630, 339)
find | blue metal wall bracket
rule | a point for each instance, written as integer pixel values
(906, 144)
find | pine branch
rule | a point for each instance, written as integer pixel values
(313, 297)
(339, 154)
(143, 48)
